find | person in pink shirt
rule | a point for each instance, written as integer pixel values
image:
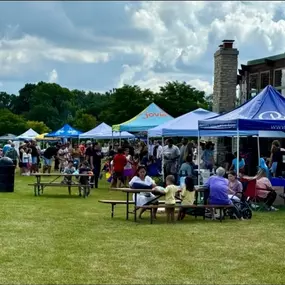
(264, 189)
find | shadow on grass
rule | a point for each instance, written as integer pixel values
(61, 196)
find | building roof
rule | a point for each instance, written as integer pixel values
(263, 60)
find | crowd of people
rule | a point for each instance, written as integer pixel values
(125, 163)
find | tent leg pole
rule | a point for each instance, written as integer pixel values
(238, 152)
(198, 158)
(162, 159)
(147, 142)
(258, 150)
(112, 141)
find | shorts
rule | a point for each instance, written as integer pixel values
(24, 165)
(47, 161)
(34, 160)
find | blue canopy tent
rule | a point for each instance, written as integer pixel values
(104, 131)
(150, 117)
(265, 111)
(187, 126)
(183, 126)
(65, 132)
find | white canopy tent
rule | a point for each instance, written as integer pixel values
(28, 135)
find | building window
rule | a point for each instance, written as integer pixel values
(279, 78)
(264, 79)
(253, 82)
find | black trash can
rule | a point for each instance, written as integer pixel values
(7, 174)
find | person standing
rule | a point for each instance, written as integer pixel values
(82, 149)
(49, 153)
(128, 169)
(95, 162)
(182, 151)
(171, 154)
(208, 157)
(35, 157)
(119, 163)
(157, 154)
(88, 152)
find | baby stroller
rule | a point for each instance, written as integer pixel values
(243, 205)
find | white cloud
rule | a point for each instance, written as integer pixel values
(52, 76)
(29, 52)
(185, 31)
(151, 80)
(157, 41)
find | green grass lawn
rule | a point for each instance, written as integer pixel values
(57, 239)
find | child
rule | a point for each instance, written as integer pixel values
(119, 163)
(69, 169)
(170, 200)
(25, 160)
(128, 169)
(188, 197)
(30, 161)
(84, 168)
(107, 168)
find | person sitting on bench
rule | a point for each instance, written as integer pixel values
(188, 198)
(143, 181)
(69, 169)
(218, 186)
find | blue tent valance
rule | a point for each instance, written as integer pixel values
(65, 132)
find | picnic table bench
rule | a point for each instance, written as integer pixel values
(203, 207)
(39, 185)
(161, 204)
(113, 203)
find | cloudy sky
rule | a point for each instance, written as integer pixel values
(100, 45)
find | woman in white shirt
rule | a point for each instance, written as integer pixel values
(146, 182)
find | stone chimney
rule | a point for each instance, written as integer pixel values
(225, 82)
(225, 77)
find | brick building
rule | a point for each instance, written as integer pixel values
(259, 73)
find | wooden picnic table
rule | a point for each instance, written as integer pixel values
(129, 191)
(39, 185)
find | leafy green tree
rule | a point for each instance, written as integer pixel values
(39, 127)
(124, 103)
(7, 101)
(54, 105)
(84, 122)
(178, 98)
(11, 123)
(22, 104)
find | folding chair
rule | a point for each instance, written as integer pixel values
(250, 194)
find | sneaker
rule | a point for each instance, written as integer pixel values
(273, 209)
(253, 206)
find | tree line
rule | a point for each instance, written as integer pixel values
(48, 106)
